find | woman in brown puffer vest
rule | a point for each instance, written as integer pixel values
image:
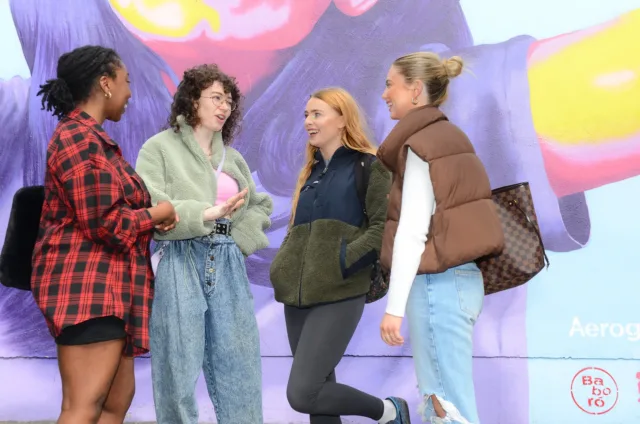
(440, 219)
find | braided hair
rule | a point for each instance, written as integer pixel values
(77, 73)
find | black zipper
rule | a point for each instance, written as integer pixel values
(304, 254)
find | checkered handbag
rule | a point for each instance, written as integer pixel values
(523, 256)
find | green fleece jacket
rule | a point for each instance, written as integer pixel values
(329, 251)
(174, 168)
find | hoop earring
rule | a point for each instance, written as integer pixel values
(414, 101)
(107, 95)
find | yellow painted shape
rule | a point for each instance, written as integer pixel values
(589, 91)
(169, 18)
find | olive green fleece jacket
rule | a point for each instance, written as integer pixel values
(328, 260)
(174, 168)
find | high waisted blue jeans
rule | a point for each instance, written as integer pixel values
(203, 319)
(442, 311)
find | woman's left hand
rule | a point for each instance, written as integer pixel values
(227, 208)
(390, 330)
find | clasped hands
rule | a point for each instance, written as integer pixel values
(169, 217)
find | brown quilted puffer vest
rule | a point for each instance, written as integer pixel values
(465, 225)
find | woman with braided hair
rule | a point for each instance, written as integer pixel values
(92, 278)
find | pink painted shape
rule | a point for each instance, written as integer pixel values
(354, 7)
(249, 67)
(246, 6)
(543, 49)
(607, 149)
(581, 168)
(243, 27)
(266, 24)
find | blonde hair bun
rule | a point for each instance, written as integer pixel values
(453, 66)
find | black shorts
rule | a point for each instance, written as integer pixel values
(94, 330)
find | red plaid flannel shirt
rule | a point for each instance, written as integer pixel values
(92, 256)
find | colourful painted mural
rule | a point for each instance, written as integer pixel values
(552, 98)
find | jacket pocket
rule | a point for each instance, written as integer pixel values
(284, 271)
(343, 258)
(350, 266)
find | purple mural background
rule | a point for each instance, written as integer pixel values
(320, 43)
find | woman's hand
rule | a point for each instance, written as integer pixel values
(227, 208)
(164, 216)
(166, 226)
(390, 330)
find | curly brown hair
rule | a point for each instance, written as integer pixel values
(194, 81)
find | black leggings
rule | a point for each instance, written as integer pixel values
(319, 336)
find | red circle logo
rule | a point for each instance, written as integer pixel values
(594, 390)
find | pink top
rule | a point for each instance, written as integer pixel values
(227, 187)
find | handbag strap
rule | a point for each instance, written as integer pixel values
(535, 228)
(219, 170)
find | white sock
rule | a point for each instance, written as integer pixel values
(389, 413)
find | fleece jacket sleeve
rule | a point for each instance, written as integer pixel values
(364, 250)
(151, 167)
(248, 228)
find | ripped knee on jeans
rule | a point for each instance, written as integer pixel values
(436, 410)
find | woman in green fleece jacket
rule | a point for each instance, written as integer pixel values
(203, 316)
(322, 271)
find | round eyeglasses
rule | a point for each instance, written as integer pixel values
(218, 100)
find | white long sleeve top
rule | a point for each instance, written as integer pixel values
(418, 206)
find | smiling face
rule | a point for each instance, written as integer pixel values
(398, 94)
(214, 107)
(323, 124)
(120, 91)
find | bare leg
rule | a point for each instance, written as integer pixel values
(87, 373)
(438, 407)
(120, 395)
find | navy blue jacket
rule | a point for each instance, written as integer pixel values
(330, 191)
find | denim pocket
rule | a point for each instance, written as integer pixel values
(470, 291)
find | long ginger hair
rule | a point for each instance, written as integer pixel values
(354, 136)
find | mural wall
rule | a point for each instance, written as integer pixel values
(553, 98)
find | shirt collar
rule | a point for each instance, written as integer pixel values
(341, 153)
(87, 120)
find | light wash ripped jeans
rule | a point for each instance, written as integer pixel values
(442, 311)
(203, 319)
